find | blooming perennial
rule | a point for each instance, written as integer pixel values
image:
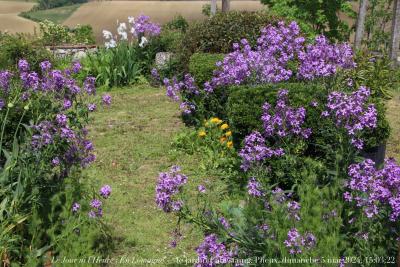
(296, 242)
(285, 120)
(212, 253)
(256, 151)
(169, 184)
(278, 47)
(352, 112)
(375, 190)
(139, 28)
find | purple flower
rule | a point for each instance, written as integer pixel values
(92, 107)
(255, 150)
(201, 188)
(5, 78)
(89, 85)
(55, 161)
(169, 184)
(61, 119)
(212, 253)
(155, 74)
(75, 207)
(351, 112)
(67, 104)
(323, 59)
(45, 66)
(224, 222)
(96, 203)
(375, 190)
(76, 67)
(23, 65)
(284, 120)
(295, 242)
(143, 26)
(106, 98)
(254, 188)
(2, 104)
(105, 191)
(293, 209)
(187, 107)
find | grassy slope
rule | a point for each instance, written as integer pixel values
(57, 15)
(132, 140)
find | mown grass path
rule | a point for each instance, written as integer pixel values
(133, 140)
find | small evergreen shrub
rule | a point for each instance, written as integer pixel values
(202, 66)
(218, 33)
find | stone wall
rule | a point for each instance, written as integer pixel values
(76, 52)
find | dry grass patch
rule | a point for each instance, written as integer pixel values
(9, 19)
(104, 15)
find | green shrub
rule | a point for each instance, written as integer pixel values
(56, 34)
(243, 110)
(202, 66)
(218, 33)
(16, 47)
(244, 105)
(177, 23)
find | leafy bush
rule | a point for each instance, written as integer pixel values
(202, 66)
(315, 16)
(375, 72)
(43, 147)
(218, 33)
(177, 23)
(15, 47)
(244, 105)
(56, 34)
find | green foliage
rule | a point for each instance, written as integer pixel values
(48, 4)
(57, 15)
(202, 66)
(315, 16)
(375, 72)
(377, 25)
(16, 47)
(244, 105)
(118, 66)
(56, 34)
(35, 195)
(218, 33)
(177, 23)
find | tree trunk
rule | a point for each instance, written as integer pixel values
(213, 7)
(394, 45)
(226, 5)
(362, 13)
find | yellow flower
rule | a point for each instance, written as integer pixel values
(222, 139)
(216, 120)
(227, 134)
(229, 144)
(202, 133)
(224, 126)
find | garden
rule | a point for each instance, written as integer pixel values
(265, 138)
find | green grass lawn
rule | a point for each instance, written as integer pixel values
(133, 144)
(57, 15)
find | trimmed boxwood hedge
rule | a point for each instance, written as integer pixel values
(202, 66)
(244, 106)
